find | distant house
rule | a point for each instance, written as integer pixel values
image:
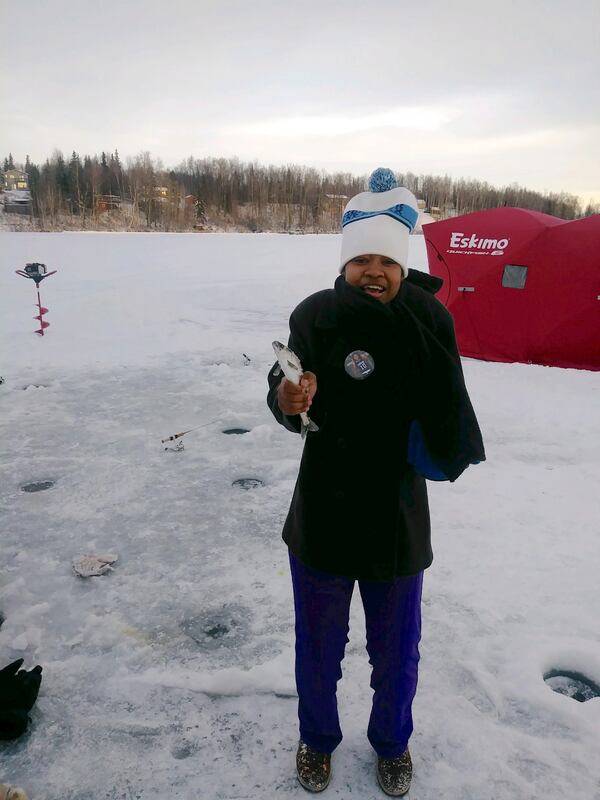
(161, 193)
(334, 204)
(107, 202)
(15, 179)
(16, 201)
(438, 213)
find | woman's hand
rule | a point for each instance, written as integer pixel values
(293, 399)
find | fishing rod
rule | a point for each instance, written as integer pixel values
(183, 433)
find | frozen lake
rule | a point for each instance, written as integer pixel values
(173, 674)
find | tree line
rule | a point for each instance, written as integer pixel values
(220, 193)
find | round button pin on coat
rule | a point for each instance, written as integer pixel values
(359, 364)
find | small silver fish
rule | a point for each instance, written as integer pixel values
(290, 365)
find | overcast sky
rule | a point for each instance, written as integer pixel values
(499, 91)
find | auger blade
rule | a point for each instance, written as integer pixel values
(41, 308)
(40, 317)
(43, 326)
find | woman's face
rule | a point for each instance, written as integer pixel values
(377, 276)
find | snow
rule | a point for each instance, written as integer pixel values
(174, 672)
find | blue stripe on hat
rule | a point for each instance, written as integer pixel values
(402, 213)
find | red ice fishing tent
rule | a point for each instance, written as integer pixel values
(521, 286)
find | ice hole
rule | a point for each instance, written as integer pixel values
(217, 631)
(183, 749)
(238, 431)
(226, 626)
(572, 684)
(248, 483)
(2, 618)
(37, 486)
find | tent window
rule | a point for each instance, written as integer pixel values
(514, 277)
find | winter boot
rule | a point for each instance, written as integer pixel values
(314, 768)
(394, 774)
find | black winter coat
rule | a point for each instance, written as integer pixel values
(359, 508)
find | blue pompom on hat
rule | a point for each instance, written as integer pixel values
(379, 221)
(382, 180)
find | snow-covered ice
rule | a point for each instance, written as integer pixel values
(173, 674)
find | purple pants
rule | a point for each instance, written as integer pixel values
(393, 624)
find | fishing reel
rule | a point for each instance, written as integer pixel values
(176, 448)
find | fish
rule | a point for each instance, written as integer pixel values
(290, 365)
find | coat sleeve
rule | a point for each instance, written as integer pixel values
(297, 343)
(445, 439)
(446, 336)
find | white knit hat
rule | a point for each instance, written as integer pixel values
(379, 221)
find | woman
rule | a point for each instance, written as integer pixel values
(383, 382)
